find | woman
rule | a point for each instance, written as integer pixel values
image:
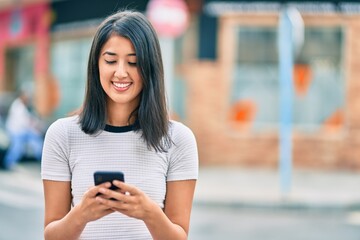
(122, 126)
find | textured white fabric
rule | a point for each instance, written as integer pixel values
(71, 155)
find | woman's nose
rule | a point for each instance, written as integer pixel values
(121, 71)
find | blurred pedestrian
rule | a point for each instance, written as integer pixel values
(4, 143)
(123, 125)
(24, 129)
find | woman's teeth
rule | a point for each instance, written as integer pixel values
(121, 85)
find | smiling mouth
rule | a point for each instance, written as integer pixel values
(121, 85)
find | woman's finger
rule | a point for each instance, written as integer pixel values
(125, 187)
(110, 194)
(111, 204)
(92, 192)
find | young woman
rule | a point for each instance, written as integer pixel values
(122, 126)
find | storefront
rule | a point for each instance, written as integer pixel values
(24, 52)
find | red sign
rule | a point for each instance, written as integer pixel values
(20, 24)
(169, 17)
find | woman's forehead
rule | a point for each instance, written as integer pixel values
(118, 45)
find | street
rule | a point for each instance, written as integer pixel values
(21, 216)
(214, 223)
(21, 203)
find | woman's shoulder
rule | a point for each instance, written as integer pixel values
(177, 125)
(62, 124)
(179, 130)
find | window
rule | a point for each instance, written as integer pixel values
(319, 88)
(69, 64)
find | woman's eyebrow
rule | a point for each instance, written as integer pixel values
(114, 54)
(109, 53)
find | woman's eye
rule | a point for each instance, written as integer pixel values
(110, 62)
(132, 63)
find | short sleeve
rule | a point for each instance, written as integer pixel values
(183, 155)
(54, 162)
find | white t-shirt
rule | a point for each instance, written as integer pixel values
(71, 155)
(19, 118)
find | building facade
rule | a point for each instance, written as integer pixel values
(233, 101)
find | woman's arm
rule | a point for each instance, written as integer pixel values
(59, 223)
(172, 223)
(62, 222)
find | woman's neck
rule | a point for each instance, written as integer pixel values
(120, 116)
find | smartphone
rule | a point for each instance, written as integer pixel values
(107, 176)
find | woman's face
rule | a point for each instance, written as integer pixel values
(119, 73)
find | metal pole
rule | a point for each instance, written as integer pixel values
(286, 61)
(167, 45)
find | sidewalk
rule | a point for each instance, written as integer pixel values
(254, 188)
(223, 186)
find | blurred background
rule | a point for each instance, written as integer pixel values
(269, 89)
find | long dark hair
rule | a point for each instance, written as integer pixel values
(151, 114)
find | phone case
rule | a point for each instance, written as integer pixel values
(105, 176)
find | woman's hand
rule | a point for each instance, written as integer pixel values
(128, 200)
(89, 208)
(172, 222)
(64, 222)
